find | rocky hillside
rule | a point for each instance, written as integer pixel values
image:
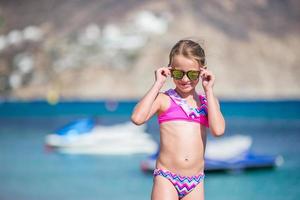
(109, 49)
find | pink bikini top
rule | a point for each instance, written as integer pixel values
(180, 110)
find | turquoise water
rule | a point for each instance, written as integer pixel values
(28, 171)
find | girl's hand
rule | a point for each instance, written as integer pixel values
(162, 74)
(208, 79)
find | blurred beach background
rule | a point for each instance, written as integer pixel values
(65, 60)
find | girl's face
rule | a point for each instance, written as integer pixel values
(185, 64)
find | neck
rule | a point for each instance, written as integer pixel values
(186, 95)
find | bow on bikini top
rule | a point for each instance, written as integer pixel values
(180, 110)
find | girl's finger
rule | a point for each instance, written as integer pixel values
(203, 68)
(207, 73)
(166, 71)
(202, 73)
(212, 76)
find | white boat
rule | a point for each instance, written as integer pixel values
(83, 137)
(228, 148)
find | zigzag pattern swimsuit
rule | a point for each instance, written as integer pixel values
(183, 184)
(179, 110)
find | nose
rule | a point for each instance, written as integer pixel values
(185, 78)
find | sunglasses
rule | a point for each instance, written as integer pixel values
(179, 74)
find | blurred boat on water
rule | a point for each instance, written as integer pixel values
(85, 137)
(232, 153)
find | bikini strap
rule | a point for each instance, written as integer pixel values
(203, 107)
(203, 99)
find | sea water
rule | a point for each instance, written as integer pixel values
(29, 171)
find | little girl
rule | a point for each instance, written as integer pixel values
(183, 116)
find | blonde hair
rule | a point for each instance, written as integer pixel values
(189, 49)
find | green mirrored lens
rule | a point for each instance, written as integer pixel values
(193, 75)
(177, 74)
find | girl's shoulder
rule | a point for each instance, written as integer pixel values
(164, 101)
(163, 98)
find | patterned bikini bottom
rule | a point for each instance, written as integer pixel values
(183, 184)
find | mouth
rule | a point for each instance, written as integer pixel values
(185, 85)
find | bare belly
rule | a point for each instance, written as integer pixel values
(182, 146)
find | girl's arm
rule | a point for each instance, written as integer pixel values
(151, 102)
(215, 117)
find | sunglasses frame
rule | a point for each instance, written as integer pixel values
(185, 73)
